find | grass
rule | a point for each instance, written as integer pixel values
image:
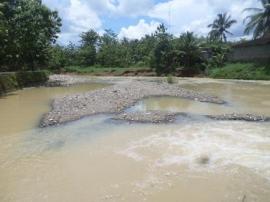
(102, 70)
(245, 71)
(170, 79)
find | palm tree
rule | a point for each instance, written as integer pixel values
(220, 27)
(259, 22)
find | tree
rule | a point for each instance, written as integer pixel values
(57, 58)
(31, 28)
(259, 22)
(189, 50)
(220, 27)
(109, 54)
(162, 58)
(88, 48)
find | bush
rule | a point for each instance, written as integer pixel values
(13, 81)
(245, 71)
(170, 80)
(8, 82)
(26, 79)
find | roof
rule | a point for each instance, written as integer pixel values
(256, 42)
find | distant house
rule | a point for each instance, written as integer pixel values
(254, 50)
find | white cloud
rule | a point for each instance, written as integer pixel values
(191, 15)
(77, 16)
(82, 17)
(139, 30)
(131, 7)
(179, 15)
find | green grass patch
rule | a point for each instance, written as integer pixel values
(101, 70)
(245, 71)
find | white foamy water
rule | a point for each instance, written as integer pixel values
(207, 146)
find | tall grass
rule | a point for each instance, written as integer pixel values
(245, 71)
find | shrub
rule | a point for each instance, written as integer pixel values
(8, 82)
(170, 79)
(246, 71)
(13, 81)
(26, 79)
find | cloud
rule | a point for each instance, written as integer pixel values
(81, 17)
(139, 30)
(191, 15)
(178, 15)
(77, 16)
(132, 8)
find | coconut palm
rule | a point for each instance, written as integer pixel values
(259, 21)
(220, 27)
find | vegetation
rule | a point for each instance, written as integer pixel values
(13, 81)
(170, 79)
(245, 71)
(28, 32)
(97, 70)
(220, 27)
(259, 22)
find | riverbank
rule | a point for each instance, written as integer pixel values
(11, 81)
(243, 71)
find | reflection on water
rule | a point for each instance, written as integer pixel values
(22, 109)
(174, 104)
(246, 97)
(241, 97)
(96, 159)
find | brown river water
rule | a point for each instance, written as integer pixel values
(97, 159)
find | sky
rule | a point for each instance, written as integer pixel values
(135, 18)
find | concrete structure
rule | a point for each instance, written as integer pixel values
(255, 50)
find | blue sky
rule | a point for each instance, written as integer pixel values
(135, 18)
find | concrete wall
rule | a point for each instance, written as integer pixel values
(251, 53)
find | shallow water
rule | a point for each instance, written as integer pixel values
(241, 97)
(97, 159)
(21, 110)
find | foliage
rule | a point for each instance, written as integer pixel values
(109, 50)
(58, 57)
(246, 71)
(32, 78)
(217, 54)
(102, 70)
(220, 27)
(13, 81)
(162, 59)
(8, 83)
(88, 48)
(189, 50)
(170, 79)
(259, 22)
(29, 30)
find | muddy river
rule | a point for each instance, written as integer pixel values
(97, 159)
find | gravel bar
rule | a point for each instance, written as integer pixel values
(169, 117)
(115, 99)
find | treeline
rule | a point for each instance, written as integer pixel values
(160, 50)
(29, 29)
